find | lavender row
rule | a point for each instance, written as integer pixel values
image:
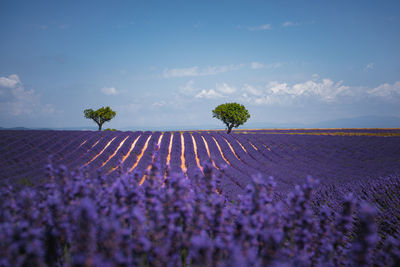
(147, 156)
(245, 157)
(232, 158)
(95, 150)
(237, 176)
(190, 157)
(16, 140)
(115, 161)
(226, 185)
(176, 152)
(133, 156)
(12, 155)
(36, 160)
(283, 175)
(163, 152)
(28, 151)
(339, 157)
(97, 163)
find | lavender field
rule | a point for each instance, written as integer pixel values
(332, 156)
(205, 198)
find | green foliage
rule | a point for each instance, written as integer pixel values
(100, 116)
(109, 129)
(232, 114)
(25, 182)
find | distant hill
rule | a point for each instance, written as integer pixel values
(361, 122)
(356, 122)
(16, 128)
(54, 129)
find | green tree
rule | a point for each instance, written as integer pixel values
(232, 114)
(100, 116)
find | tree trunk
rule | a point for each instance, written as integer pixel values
(99, 127)
(229, 129)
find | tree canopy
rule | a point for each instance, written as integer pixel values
(100, 116)
(232, 114)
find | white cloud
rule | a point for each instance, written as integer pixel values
(290, 24)
(264, 27)
(325, 90)
(24, 101)
(274, 65)
(183, 72)
(213, 70)
(10, 81)
(188, 88)
(315, 90)
(264, 100)
(369, 66)
(386, 90)
(196, 71)
(245, 97)
(256, 65)
(220, 90)
(279, 88)
(159, 104)
(209, 94)
(16, 101)
(48, 109)
(274, 92)
(225, 88)
(252, 90)
(109, 91)
(283, 93)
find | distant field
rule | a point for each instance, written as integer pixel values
(289, 155)
(329, 131)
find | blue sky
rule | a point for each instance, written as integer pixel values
(163, 63)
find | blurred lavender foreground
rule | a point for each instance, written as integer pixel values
(87, 219)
